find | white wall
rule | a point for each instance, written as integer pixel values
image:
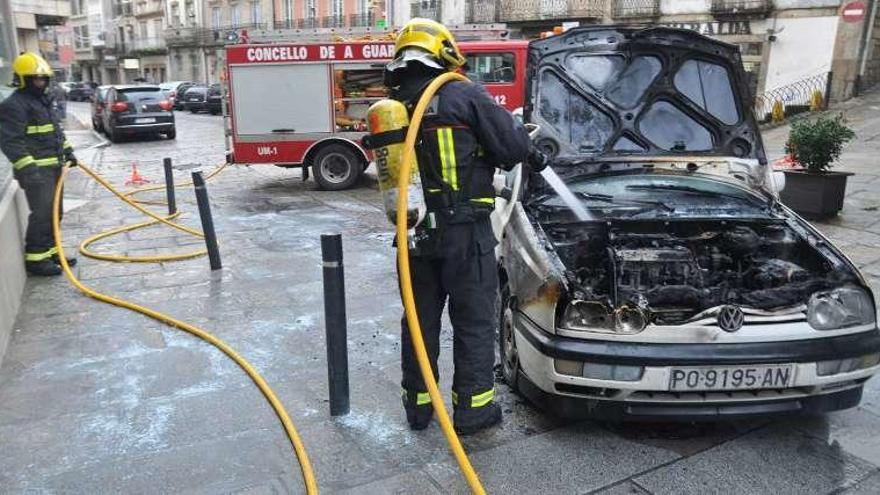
(675, 7)
(13, 208)
(804, 48)
(804, 4)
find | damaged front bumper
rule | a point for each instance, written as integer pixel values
(649, 397)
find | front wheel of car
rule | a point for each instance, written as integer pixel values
(507, 350)
(172, 134)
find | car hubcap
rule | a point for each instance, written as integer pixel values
(335, 168)
(510, 359)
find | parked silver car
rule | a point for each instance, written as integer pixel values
(690, 292)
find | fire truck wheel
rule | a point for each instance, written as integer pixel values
(336, 167)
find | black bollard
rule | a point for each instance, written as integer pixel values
(169, 187)
(335, 323)
(207, 220)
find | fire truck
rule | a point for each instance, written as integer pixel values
(299, 98)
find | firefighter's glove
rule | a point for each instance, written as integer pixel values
(71, 160)
(538, 160)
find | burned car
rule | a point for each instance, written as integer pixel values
(685, 290)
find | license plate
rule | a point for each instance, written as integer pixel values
(148, 120)
(193, 99)
(731, 378)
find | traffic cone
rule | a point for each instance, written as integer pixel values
(136, 178)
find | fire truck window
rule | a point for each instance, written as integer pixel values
(354, 90)
(491, 68)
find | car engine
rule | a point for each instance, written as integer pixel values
(678, 269)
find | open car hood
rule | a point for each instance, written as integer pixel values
(608, 91)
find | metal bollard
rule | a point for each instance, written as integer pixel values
(207, 220)
(169, 187)
(335, 323)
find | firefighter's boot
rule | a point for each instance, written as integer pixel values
(419, 409)
(476, 413)
(43, 268)
(71, 262)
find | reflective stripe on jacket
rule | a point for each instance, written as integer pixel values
(465, 135)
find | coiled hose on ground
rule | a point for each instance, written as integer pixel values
(298, 447)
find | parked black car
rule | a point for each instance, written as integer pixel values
(180, 94)
(215, 99)
(80, 92)
(99, 100)
(196, 99)
(137, 110)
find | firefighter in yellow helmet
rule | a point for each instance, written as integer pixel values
(464, 136)
(32, 139)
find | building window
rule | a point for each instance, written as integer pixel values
(145, 32)
(216, 17)
(311, 10)
(288, 10)
(175, 15)
(337, 8)
(256, 12)
(235, 15)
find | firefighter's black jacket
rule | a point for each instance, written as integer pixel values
(30, 131)
(465, 135)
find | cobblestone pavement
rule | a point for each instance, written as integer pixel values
(95, 399)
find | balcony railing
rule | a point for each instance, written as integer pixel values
(553, 10)
(122, 9)
(740, 7)
(428, 9)
(627, 9)
(148, 7)
(481, 11)
(333, 21)
(188, 36)
(306, 23)
(147, 45)
(362, 20)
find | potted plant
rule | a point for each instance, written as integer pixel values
(813, 190)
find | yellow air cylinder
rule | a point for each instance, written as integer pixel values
(384, 118)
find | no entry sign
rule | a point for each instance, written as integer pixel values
(853, 11)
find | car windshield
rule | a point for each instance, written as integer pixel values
(653, 195)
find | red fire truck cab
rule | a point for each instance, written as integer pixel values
(293, 101)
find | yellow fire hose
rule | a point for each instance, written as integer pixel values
(298, 447)
(406, 291)
(128, 198)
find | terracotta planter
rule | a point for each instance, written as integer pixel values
(814, 194)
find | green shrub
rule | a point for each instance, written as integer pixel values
(816, 144)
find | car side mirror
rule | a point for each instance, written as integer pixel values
(779, 180)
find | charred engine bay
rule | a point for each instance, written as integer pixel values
(678, 269)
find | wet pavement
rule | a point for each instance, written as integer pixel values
(95, 399)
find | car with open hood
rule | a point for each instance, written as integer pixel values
(685, 289)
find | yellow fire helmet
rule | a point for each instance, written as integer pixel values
(30, 64)
(432, 37)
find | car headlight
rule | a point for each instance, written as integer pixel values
(840, 308)
(594, 316)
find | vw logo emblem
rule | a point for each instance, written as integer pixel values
(730, 318)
